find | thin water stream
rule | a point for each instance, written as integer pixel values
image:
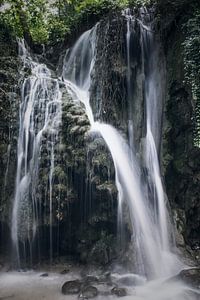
(40, 114)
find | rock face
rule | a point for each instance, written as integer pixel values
(191, 277)
(110, 97)
(181, 166)
(84, 198)
(108, 91)
(9, 107)
(88, 202)
(77, 287)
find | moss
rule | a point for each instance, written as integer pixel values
(59, 173)
(103, 251)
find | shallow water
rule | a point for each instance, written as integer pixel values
(30, 285)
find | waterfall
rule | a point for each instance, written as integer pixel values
(135, 156)
(39, 124)
(40, 120)
(130, 27)
(148, 210)
(154, 103)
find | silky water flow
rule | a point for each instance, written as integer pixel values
(40, 114)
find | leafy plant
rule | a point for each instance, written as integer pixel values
(27, 18)
(43, 22)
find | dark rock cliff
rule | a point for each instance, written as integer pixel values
(180, 157)
(9, 107)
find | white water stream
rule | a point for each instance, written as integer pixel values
(40, 114)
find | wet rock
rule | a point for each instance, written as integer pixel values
(196, 246)
(130, 280)
(9, 105)
(105, 278)
(44, 275)
(191, 277)
(119, 292)
(91, 278)
(71, 287)
(65, 271)
(181, 158)
(89, 292)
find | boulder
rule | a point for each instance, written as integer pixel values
(191, 277)
(89, 292)
(44, 275)
(91, 279)
(119, 292)
(71, 287)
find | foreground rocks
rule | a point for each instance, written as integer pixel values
(191, 277)
(120, 292)
(71, 287)
(89, 292)
(85, 291)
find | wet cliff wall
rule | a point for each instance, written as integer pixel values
(180, 156)
(9, 121)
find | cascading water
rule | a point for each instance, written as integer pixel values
(40, 115)
(149, 221)
(154, 103)
(130, 27)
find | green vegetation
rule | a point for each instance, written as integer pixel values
(43, 21)
(192, 67)
(27, 19)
